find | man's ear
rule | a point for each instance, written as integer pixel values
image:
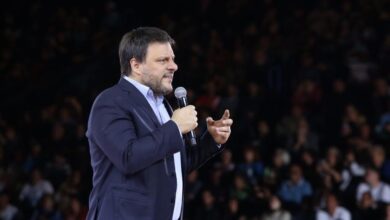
(135, 66)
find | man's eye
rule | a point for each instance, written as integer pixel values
(163, 60)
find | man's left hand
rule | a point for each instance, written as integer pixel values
(220, 130)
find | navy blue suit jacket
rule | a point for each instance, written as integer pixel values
(132, 157)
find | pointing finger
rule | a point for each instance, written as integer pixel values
(226, 114)
(227, 122)
(223, 129)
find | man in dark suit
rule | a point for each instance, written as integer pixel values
(138, 155)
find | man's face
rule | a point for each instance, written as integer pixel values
(331, 203)
(158, 68)
(372, 177)
(295, 174)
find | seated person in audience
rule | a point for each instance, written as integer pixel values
(379, 190)
(7, 210)
(276, 210)
(380, 162)
(33, 191)
(293, 190)
(367, 208)
(333, 211)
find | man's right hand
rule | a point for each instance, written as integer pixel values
(185, 118)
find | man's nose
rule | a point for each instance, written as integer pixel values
(173, 66)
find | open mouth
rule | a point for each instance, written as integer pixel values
(170, 77)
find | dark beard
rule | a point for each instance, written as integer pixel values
(157, 87)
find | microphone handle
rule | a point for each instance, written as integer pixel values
(182, 102)
(190, 136)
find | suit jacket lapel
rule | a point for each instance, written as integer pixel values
(168, 107)
(139, 100)
(142, 104)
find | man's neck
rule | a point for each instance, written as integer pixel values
(133, 77)
(375, 184)
(138, 80)
(332, 211)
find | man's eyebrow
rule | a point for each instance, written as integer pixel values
(165, 57)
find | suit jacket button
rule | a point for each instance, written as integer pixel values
(172, 200)
(173, 174)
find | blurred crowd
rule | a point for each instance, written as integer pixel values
(307, 83)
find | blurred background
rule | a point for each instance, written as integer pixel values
(306, 82)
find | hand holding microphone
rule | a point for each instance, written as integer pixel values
(185, 117)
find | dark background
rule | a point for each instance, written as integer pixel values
(299, 77)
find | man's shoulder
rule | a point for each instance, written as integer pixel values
(321, 214)
(341, 209)
(343, 212)
(363, 186)
(109, 94)
(386, 186)
(114, 89)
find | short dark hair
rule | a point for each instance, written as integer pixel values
(134, 44)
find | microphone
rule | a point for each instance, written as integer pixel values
(181, 96)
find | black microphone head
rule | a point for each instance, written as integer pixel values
(180, 92)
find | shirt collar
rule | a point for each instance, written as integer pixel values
(145, 90)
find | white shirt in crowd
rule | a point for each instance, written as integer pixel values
(8, 213)
(34, 192)
(339, 214)
(381, 193)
